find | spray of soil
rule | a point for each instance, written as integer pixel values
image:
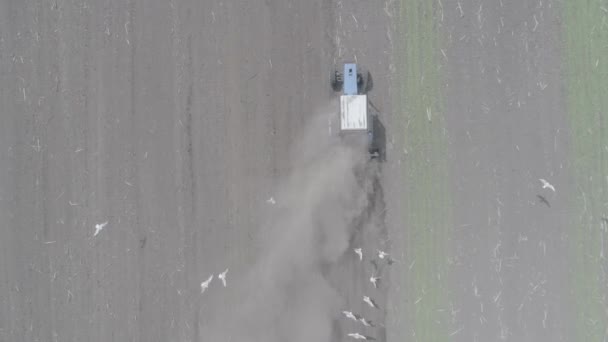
(288, 295)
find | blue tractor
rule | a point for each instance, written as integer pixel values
(351, 80)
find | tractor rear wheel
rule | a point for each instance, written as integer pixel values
(336, 80)
(363, 81)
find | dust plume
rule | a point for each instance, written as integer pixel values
(289, 294)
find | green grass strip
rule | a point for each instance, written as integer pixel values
(428, 212)
(586, 60)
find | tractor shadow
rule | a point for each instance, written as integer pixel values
(379, 139)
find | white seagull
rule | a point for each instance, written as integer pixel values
(222, 276)
(382, 254)
(374, 281)
(350, 315)
(369, 301)
(547, 185)
(205, 284)
(359, 253)
(365, 322)
(99, 227)
(271, 201)
(357, 336)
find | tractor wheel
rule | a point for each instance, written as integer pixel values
(369, 84)
(336, 80)
(363, 81)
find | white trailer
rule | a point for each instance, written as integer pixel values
(353, 113)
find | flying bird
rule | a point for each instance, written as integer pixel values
(369, 302)
(350, 315)
(99, 227)
(374, 281)
(382, 254)
(222, 276)
(357, 336)
(547, 185)
(271, 200)
(359, 253)
(205, 284)
(365, 322)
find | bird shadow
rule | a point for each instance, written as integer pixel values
(543, 200)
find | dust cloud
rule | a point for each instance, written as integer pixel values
(291, 292)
